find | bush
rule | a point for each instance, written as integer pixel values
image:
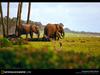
(24, 58)
(4, 42)
(18, 41)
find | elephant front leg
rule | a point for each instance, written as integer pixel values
(54, 36)
(26, 36)
(57, 36)
(31, 34)
(38, 35)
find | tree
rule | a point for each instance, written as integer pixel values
(28, 16)
(17, 17)
(18, 22)
(19, 14)
(7, 17)
(1, 15)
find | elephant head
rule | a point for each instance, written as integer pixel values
(35, 29)
(60, 29)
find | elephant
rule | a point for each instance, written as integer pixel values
(60, 31)
(53, 31)
(27, 29)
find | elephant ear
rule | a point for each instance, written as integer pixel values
(57, 26)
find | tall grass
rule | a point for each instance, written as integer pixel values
(22, 57)
(75, 53)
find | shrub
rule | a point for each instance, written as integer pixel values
(28, 57)
(4, 42)
(18, 41)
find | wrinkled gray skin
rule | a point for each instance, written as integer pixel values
(54, 31)
(27, 29)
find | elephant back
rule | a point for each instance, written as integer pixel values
(26, 28)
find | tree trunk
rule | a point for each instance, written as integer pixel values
(28, 16)
(17, 21)
(1, 15)
(7, 17)
(20, 10)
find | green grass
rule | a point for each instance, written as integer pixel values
(77, 51)
(77, 35)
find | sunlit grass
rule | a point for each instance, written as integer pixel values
(78, 35)
(75, 52)
(78, 44)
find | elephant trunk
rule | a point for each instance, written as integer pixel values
(63, 34)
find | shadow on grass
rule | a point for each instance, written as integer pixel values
(28, 39)
(38, 40)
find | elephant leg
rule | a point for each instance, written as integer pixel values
(55, 35)
(59, 35)
(26, 35)
(38, 35)
(31, 35)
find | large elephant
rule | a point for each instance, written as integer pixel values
(53, 31)
(27, 29)
(60, 29)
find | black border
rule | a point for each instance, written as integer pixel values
(52, 71)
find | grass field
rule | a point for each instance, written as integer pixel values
(77, 51)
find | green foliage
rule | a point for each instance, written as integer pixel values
(22, 57)
(75, 53)
(4, 42)
(7, 59)
(18, 41)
